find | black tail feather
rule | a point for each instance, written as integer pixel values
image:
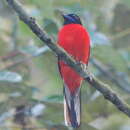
(72, 108)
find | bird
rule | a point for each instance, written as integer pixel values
(74, 38)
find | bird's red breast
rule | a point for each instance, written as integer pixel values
(76, 41)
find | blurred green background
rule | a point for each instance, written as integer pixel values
(30, 85)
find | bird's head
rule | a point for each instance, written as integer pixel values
(71, 19)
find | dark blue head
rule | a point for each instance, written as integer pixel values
(71, 19)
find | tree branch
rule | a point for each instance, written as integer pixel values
(103, 88)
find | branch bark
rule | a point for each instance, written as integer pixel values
(100, 86)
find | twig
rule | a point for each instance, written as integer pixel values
(103, 88)
(13, 54)
(14, 33)
(121, 34)
(111, 75)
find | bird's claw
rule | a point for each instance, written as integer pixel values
(85, 67)
(90, 75)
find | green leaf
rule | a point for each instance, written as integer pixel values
(126, 55)
(54, 98)
(33, 50)
(50, 26)
(10, 76)
(115, 58)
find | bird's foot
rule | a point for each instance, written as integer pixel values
(84, 66)
(90, 75)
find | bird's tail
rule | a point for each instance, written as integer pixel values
(72, 108)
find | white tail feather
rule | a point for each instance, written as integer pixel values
(72, 108)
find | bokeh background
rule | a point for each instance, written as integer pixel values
(30, 85)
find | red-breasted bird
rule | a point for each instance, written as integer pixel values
(74, 38)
